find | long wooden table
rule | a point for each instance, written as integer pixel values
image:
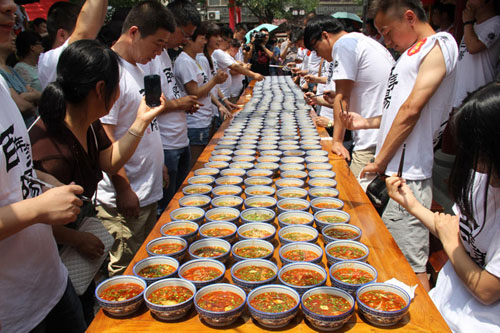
(385, 256)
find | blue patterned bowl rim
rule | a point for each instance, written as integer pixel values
(344, 294)
(111, 281)
(195, 225)
(214, 314)
(256, 225)
(340, 225)
(210, 240)
(214, 223)
(254, 262)
(305, 228)
(258, 209)
(252, 242)
(285, 289)
(295, 244)
(385, 285)
(166, 238)
(169, 282)
(212, 262)
(351, 243)
(356, 263)
(153, 259)
(301, 265)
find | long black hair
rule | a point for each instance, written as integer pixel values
(212, 30)
(80, 67)
(477, 131)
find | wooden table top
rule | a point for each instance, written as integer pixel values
(385, 256)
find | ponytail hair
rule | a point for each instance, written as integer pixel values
(81, 65)
(52, 107)
(212, 30)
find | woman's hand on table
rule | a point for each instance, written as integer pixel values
(127, 203)
(90, 245)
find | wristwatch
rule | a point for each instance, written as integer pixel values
(469, 22)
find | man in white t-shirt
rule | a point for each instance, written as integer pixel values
(416, 106)
(66, 26)
(479, 50)
(34, 281)
(172, 123)
(361, 67)
(128, 200)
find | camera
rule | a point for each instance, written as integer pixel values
(259, 38)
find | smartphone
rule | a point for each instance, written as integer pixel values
(152, 88)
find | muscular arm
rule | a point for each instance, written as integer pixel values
(90, 20)
(430, 75)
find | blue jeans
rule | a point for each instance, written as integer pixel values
(66, 316)
(177, 162)
(199, 136)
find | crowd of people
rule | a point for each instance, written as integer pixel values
(74, 116)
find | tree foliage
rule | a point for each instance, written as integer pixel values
(267, 10)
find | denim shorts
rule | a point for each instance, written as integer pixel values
(199, 136)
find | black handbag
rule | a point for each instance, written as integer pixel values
(377, 193)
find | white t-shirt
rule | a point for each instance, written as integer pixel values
(33, 278)
(173, 124)
(301, 53)
(144, 168)
(419, 144)
(47, 64)
(359, 58)
(313, 63)
(188, 69)
(205, 66)
(462, 312)
(223, 61)
(476, 70)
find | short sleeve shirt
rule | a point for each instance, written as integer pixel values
(476, 70)
(186, 70)
(460, 309)
(149, 153)
(47, 65)
(173, 125)
(359, 58)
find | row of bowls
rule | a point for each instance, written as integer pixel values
(314, 250)
(266, 319)
(189, 230)
(322, 218)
